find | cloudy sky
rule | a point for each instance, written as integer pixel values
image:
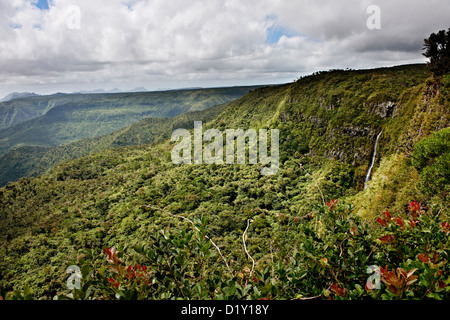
(48, 46)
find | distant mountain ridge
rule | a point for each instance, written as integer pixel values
(22, 109)
(18, 95)
(114, 90)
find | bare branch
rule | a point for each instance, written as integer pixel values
(245, 248)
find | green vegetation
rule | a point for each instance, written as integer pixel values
(225, 231)
(437, 49)
(431, 157)
(23, 109)
(28, 161)
(105, 113)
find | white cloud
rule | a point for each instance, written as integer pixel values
(169, 43)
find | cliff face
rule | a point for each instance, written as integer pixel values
(338, 114)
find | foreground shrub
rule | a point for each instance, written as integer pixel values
(329, 253)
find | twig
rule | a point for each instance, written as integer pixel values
(309, 298)
(192, 223)
(271, 256)
(245, 248)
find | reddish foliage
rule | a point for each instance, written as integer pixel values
(332, 204)
(389, 238)
(423, 257)
(412, 223)
(414, 209)
(387, 215)
(112, 255)
(400, 281)
(341, 292)
(381, 221)
(399, 221)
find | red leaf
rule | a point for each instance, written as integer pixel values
(423, 258)
(338, 291)
(332, 203)
(399, 221)
(412, 223)
(387, 238)
(381, 221)
(414, 206)
(387, 215)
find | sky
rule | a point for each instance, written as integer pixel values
(50, 46)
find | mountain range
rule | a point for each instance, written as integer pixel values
(49, 121)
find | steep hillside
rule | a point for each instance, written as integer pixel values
(18, 95)
(28, 161)
(105, 113)
(23, 109)
(286, 236)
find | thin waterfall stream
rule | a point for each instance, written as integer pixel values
(373, 161)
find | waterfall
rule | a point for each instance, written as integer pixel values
(373, 161)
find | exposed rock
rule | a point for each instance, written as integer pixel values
(339, 155)
(355, 131)
(384, 109)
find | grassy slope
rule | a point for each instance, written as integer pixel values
(327, 123)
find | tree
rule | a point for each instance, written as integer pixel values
(437, 48)
(431, 157)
